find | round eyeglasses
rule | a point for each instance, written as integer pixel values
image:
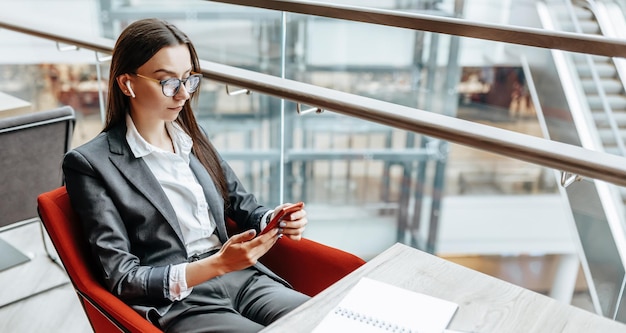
(171, 86)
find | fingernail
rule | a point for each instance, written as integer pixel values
(282, 224)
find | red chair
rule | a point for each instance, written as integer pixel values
(309, 266)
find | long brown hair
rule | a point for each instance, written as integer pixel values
(137, 44)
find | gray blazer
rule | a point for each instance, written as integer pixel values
(130, 224)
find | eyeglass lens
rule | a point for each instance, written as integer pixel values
(171, 86)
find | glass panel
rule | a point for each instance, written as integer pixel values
(232, 35)
(603, 258)
(36, 71)
(61, 14)
(415, 69)
(246, 131)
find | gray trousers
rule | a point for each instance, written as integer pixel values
(241, 301)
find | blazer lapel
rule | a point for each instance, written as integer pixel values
(213, 198)
(139, 175)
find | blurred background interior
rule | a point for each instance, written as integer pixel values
(366, 185)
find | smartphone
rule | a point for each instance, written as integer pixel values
(278, 216)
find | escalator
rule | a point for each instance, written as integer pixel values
(599, 77)
(594, 96)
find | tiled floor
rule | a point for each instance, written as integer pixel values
(56, 310)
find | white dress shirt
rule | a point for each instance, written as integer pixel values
(185, 194)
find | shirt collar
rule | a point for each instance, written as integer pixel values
(140, 147)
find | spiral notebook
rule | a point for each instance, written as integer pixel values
(376, 307)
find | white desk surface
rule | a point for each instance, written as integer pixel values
(486, 304)
(13, 106)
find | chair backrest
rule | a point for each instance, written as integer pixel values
(33, 145)
(105, 311)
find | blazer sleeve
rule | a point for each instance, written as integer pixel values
(90, 194)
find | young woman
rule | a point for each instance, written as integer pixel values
(153, 195)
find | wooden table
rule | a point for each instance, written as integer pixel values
(486, 304)
(12, 106)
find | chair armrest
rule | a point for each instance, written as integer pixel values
(105, 311)
(108, 313)
(308, 266)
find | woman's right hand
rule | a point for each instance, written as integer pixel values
(244, 250)
(240, 251)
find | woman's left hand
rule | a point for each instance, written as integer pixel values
(293, 224)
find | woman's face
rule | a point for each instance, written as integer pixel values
(150, 105)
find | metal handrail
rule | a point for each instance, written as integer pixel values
(560, 156)
(567, 41)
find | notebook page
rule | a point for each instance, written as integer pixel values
(374, 306)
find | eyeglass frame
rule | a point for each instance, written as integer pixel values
(180, 83)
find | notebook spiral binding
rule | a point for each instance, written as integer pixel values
(372, 321)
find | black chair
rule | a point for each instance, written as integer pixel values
(31, 153)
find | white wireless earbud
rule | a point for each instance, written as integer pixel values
(130, 90)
